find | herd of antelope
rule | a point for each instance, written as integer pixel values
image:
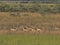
(28, 29)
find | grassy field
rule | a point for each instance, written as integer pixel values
(49, 23)
(26, 39)
(45, 22)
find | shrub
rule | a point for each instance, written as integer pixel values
(41, 8)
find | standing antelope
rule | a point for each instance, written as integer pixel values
(39, 30)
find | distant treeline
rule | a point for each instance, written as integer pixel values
(43, 1)
(41, 8)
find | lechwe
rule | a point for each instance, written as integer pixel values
(39, 30)
(31, 29)
(25, 30)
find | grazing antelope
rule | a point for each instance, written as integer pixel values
(30, 29)
(25, 30)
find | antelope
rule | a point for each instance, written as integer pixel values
(25, 29)
(30, 29)
(39, 30)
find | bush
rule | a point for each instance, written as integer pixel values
(41, 8)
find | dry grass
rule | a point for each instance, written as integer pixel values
(47, 22)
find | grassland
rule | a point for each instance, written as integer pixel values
(26, 39)
(49, 23)
(46, 22)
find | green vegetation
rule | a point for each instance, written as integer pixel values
(29, 39)
(27, 7)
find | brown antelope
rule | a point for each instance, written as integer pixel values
(25, 30)
(39, 30)
(31, 29)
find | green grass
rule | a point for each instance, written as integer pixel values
(29, 39)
